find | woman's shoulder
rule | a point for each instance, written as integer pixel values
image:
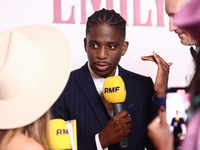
(31, 144)
(22, 142)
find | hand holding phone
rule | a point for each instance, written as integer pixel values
(177, 103)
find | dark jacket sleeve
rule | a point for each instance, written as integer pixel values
(69, 106)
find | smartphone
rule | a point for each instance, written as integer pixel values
(177, 103)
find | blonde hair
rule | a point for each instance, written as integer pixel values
(37, 130)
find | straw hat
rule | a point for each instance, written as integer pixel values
(34, 69)
(189, 18)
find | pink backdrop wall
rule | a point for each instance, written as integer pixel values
(147, 29)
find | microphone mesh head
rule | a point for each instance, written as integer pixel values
(114, 89)
(58, 136)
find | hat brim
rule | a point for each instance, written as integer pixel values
(54, 73)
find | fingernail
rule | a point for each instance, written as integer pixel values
(158, 120)
(162, 107)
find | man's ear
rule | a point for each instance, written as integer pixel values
(125, 47)
(85, 42)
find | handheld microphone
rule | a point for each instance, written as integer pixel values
(58, 136)
(114, 92)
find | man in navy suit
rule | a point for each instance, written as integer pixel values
(82, 99)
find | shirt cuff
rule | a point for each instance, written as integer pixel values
(98, 144)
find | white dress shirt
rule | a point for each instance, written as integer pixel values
(190, 73)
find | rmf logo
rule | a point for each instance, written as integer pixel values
(61, 131)
(111, 90)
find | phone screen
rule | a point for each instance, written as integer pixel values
(177, 103)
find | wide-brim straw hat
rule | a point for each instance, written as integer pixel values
(189, 18)
(34, 69)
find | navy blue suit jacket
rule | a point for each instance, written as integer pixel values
(81, 101)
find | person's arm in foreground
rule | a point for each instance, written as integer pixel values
(159, 132)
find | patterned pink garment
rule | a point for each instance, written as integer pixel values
(192, 140)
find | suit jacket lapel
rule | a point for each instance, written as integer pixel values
(124, 77)
(87, 86)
